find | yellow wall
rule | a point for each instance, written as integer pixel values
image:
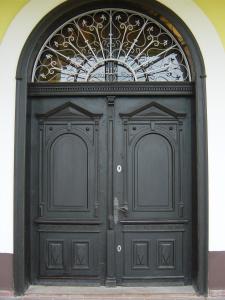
(214, 9)
(8, 10)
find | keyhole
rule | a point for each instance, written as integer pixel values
(119, 168)
(119, 248)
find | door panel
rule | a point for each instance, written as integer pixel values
(63, 187)
(152, 168)
(69, 254)
(152, 154)
(68, 152)
(153, 253)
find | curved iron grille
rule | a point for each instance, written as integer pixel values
(111, 45)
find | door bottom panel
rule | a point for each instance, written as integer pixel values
(69, 254)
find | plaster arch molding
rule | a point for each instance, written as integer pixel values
(213, 54)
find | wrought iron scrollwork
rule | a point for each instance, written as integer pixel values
(111, 45)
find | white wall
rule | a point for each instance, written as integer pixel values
(214, 58)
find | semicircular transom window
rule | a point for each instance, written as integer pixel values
(111, 45)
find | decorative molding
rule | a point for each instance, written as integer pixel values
(68, 110)
(108, 89)
(67, 221)
(140, 222)
(111, 100)
(153, 109)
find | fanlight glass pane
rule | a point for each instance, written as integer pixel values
(111, 45)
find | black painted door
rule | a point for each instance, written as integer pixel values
(153, 189)
(111, 186)
(69, 188)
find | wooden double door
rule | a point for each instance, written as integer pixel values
(111, 190)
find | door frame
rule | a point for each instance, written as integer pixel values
(21, 156)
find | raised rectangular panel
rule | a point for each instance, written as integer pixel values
(166, 254)
(140, 254)
(80, 254)
(54, 254)
(153, 251)
(85, 253)
(68, 254)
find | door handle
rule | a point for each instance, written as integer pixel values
(117, 208)
(123, 209)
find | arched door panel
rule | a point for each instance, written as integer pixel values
(68, 160)
(153, 143)
(68, 174)
(152, 166)
(69, 163)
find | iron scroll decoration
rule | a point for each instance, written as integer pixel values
(111, 45)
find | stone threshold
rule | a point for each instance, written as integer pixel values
(117, 293)
(41, 292)
(119, 290)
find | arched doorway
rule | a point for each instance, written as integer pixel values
(111, 164)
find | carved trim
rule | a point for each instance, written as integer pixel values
(68, 110)
(67, 221)
(139, 222)
(111, 100)
(71, 89)
(144, 113)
